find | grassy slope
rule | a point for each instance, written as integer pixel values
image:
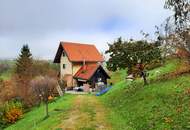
(34, 120)
(160, 105)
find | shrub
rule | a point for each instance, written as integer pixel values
(13, 115)
(4, 67)
(12, 111)
(62, 84)
(7, 91)
(1, 84)
(3, 124)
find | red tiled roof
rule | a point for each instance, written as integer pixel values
(86, 71)
(80, 52)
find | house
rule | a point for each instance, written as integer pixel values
(80, 64)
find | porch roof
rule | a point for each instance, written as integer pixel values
(86, 71)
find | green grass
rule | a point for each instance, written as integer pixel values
(34, 120)
(170, 66)
(117, 76)
(157, 106)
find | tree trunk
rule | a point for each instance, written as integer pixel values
(47, 113)
(145, 80)
(143, 75)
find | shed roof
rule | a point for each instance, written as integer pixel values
(87, 71)
(78, 52)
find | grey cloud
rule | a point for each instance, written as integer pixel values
(43, 23)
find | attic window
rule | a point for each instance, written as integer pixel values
(63, 54)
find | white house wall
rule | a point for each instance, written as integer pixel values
(68, 66)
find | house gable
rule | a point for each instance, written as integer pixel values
(58, 54)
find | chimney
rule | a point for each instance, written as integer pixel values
(84, 64)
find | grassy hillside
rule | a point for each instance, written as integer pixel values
(163, 104)
(34, 120)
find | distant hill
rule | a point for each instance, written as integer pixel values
(10, 63)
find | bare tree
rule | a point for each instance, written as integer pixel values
(43, 88)
(181, 35)
(181, 9)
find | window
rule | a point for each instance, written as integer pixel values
(99, 79)
(64, 66)
(63, 53)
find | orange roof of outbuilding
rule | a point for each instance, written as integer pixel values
(86, 71)
(78, 52)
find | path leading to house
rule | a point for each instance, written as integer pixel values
(87, 113)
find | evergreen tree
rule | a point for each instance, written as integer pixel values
(24, 61)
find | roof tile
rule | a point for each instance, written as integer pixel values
(82, 52)
(86, 71)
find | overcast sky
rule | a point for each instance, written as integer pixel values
(42, 24)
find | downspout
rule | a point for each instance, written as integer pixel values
(84, 62)
(72, 75)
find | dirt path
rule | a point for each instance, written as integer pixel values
(87, 114)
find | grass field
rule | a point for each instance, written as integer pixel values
(159, 105)
(80, 112)
(34, 120)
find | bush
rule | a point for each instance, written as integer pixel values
(62, 84)
(7, 91)
(12, 111)
(3, 124)
(1, 84)
(4, 67)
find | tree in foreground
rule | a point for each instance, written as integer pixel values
(132, 54)
(43, 88)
